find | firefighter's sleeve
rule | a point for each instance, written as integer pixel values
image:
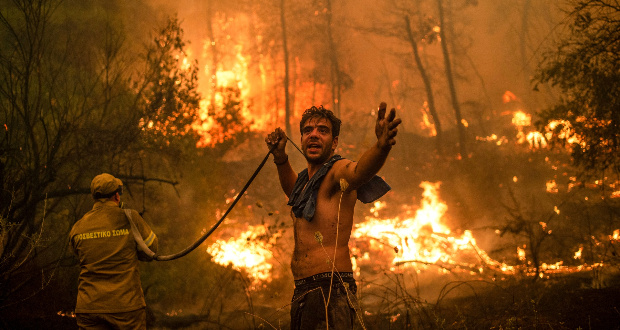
(149, 237)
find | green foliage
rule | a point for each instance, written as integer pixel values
(585, 66)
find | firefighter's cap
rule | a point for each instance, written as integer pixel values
(105, 185)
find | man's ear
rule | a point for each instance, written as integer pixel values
(334, 143)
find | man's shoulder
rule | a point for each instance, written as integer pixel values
(332, 177)
(79, 225)
(339, 165)
(75, 229)
(134, 214)
(342, 162)
(98, 215)
(130, 212)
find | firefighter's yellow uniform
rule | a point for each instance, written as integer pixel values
(109, 283)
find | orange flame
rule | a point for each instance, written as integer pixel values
(248, 252)
(509, 97)
(423, 239)
(416, 240)
(426, 120)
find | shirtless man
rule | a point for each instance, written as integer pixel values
(323, 198)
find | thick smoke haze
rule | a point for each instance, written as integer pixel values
(494, 47)
(480, 206)
(493, 52)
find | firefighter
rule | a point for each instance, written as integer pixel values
(109, 288)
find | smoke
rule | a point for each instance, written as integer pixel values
(493, 53)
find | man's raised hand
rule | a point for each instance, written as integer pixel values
(386, 128)
(278, 139)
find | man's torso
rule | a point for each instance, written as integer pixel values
(315, 247)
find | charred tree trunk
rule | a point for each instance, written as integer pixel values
(427, 86)
(335, 68)
(523, 40)
(523, 44)
(479, 108)
(287, 108)
(214, 54)
(451, 85)
(293, 84)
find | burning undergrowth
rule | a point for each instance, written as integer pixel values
(250, 250)
(418, 239)
(404, 257)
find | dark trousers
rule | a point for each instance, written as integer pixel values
(308, 308)
(135, 320)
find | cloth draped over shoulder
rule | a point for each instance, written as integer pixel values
(305, 190)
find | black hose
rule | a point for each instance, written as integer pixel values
(205, 236)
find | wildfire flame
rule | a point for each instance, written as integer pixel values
(422, 240)
(249, 251)
(509, 97)
(255, 108)
(233, 78)
(426, 120)
(417, 240)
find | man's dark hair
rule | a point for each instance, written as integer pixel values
(321, 112)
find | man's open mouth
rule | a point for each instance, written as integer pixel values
(314, 147)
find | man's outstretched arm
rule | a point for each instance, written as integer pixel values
(371, 161)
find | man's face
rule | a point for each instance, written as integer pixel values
(317, 142)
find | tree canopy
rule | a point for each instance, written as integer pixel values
(585, 67)
(74, 103)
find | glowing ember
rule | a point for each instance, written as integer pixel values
(426, 120)
(509, 97)
(66, 314)
(552, 187)
(248, 252)
(493, 137)
(578, 253)
(521, 253)
(377, 206)
(564, 131)
(536, 140)
(521, 119)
